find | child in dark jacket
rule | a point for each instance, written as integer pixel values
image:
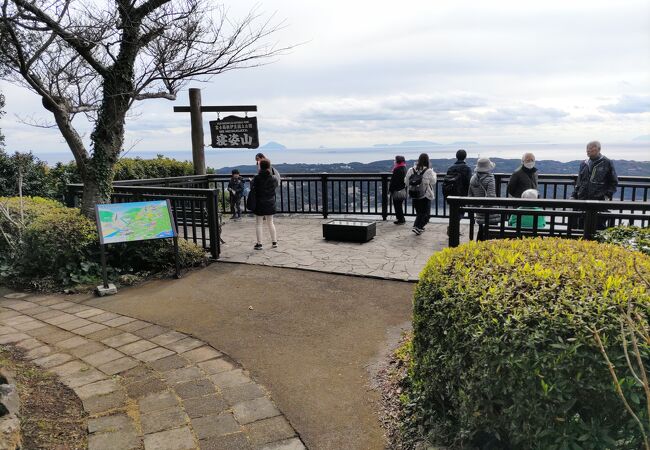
(236, 189)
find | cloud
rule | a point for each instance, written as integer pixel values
(630, 104)
(526, 115)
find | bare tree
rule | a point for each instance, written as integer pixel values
(98, 57)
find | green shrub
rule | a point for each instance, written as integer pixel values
(503, 351)
(634, 238)
(160, 167)
(154, 255)
(37, 178)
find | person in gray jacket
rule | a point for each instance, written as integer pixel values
(420, 181)
(483, 184)
(597, 179)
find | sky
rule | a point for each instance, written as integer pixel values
(383, 72)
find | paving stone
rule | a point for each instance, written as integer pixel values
(47, 314)
(196, 388)
(269, 430)
(29, 344)
(83, 378)
(252, 410)
(43, 331)
(75, 309)
(216, 366)
(61, 318)
(104, 334)
(69, 368)
(182, 375)
(20, 306)
(104, 317)
(88, 329)
(154, 354)
(87, 349)
(102, 403)
(123, 320)
(37, 310)
(17, 320)
(7, 330)
(31, 325)
(215, 425)
(97, 388)
(137, 347)
(61, 305)
(56, 336)
(150, 331)
(13, 337)
(74, 324)
(204, 406)
(184, 345)
(157, 401)
(134, 326)
(163, 420)
(38, 352)
(8, 314)
(102, 357)
(289, 444)
(177, 439)
(122, 439)
(72, 342)
(242, 393)
(169, 363)
(89, 313)
(168, 338)
(109, 423)
(52, 360)
(48, 301)
(236, 441)
(138, 373)
(201, 354)
(118, 365)
(231, 378)
(120, 339)
(145, 387)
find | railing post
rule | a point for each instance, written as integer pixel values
(591, 222)
(213, 224)
(69, 197)
(325, 195)
(454, 221)
(384, 197)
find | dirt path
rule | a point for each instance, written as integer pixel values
(309, 337)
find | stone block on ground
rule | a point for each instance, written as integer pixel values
(201, 354)
(269, 430)
(242, 393)
(102, 403)
(169, 363)
(182, 375)
(235, 441)
(195, 388)
(176, 439)
(168, 338)
(165, 419)
(231, 378)
(108, 423)
(289, 444)
(118, 365)
(120, 339)
(137, 347)
(252, 410)
(215, 425)
(204, 406)
(121, 439)
(157, 401)
(145, 387)
(102, 357)
(97, 388)
(154, 354)
(184, 345)
(216, 366)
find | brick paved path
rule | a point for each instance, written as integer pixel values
(143, 385)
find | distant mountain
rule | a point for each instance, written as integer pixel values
(623, 167)
(271, 145)
(409, 144)
(464, 143)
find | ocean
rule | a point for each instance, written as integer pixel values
(217, 158)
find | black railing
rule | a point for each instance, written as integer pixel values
(566, 218)
(194, 210)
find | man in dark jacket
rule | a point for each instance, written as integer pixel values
(524, 178)
(397, 189)
(597, 178)
(461, 168)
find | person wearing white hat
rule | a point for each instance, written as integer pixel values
(483, 184)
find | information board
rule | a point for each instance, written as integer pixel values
(234, 132)
(135, 221)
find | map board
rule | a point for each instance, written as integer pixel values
(135, 221)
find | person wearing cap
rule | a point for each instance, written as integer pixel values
(483, 184)
(524, 178)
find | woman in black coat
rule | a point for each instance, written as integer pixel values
(263, 188)
(397, 189)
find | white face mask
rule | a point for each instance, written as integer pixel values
(529, 165)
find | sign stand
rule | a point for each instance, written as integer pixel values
(135, 221)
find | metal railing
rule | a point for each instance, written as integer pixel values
(566, 218)
(194, 210)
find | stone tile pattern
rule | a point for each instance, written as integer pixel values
(395, 253)
(188, 394)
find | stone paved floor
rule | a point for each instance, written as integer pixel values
(143, 385)
(395, 252)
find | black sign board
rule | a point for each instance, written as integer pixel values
(234, 132)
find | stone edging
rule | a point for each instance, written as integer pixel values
(143, 385)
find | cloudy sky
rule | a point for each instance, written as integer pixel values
(368, 72)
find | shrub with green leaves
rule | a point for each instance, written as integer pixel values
(634, 238)
(503, 349)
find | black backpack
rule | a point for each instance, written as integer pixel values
(417, 189)
(452, 185)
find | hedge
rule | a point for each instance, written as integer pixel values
(634, 238)
(503, 352)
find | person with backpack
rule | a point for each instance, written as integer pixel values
(397, 189)
(421, 183)
(456, 182)
(483, 184)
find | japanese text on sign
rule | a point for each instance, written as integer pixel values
(234, 132)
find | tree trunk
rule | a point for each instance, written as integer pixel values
(92, 195)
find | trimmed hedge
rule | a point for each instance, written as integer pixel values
(503, 355)
(634, 238)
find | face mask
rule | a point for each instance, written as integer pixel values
(529, 165)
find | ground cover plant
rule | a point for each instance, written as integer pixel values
(632, 237)
(47, 246)
(517, 344)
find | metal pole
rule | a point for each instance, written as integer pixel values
(196, 119)
(104, 271)
(454, 222)
(177, 263)
(384, 197)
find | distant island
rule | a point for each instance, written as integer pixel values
(409, 144)
(271, 145)
(623, 167)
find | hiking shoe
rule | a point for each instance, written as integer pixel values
(258, 247)
(399, 222)
(416, 230)
(274, 245)
(422, 230)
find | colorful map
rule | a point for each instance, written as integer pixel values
(137, 221)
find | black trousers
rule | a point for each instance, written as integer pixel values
(422, 211)
(398, 206)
